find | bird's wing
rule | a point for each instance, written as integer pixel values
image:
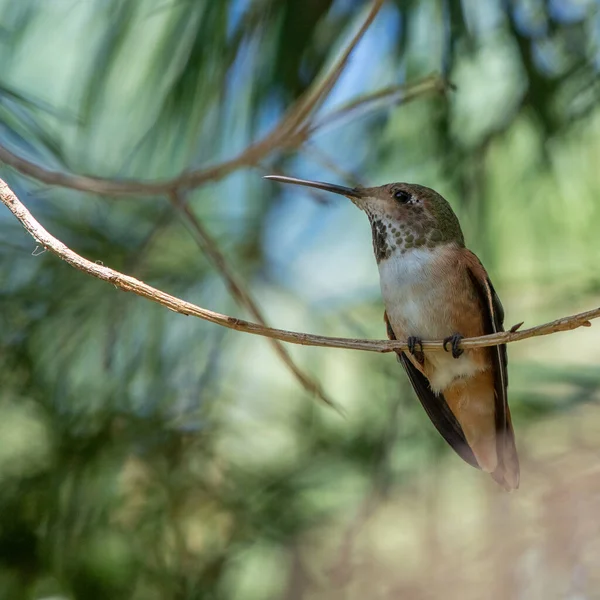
(493, 322)
(435, 406)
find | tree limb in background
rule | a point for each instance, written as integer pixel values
(251, 156)
(383, 98)
(236, 287)
(314, 98)
(129, 284)
(281, 134)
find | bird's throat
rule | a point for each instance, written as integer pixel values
(391, 236)
(382, 245)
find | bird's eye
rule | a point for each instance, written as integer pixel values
(402, 196)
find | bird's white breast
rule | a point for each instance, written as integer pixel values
(416, 292)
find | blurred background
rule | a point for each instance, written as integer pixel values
(146, 455)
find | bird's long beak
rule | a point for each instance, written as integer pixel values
(352, 193)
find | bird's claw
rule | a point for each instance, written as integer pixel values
(413, 342)
(454, 340)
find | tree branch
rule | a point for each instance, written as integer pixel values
(252, 155)
(314, 98)
(291, 131)
(129, 284)
(389, 96)
(285, 134)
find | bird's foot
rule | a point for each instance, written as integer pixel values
(413, 342)
(454, 340)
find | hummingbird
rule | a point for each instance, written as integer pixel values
(433, 288)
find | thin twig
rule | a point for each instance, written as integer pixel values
(236, 287)
(129, 284)
(393, 95)
(314, 98)
(389, 96)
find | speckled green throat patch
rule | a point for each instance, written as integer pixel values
(418, 232)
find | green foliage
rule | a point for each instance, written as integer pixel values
(148, 455)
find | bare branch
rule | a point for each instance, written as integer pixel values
(252, 155)
(236, 287)
(129, 284)
(314, 98)
(281, 136)
(389, 96)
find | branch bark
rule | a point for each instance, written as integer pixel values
(130, 284)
